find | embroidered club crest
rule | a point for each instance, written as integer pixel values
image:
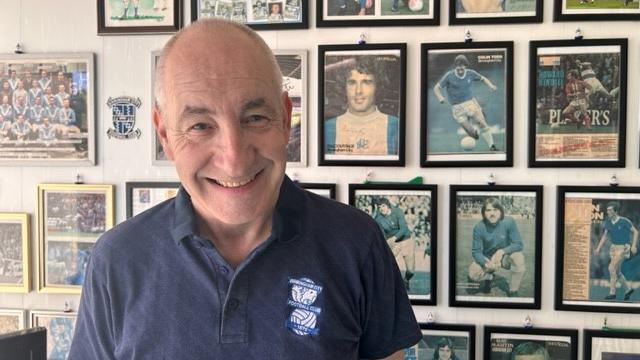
(304, 317)
(123, 112)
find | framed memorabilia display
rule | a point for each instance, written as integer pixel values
(121, 17)
(323, 189)
(60, 327)
(586, 10)
(466, 12)
(142, 196)
(577, 103)
(506, 343)
(495, 248)
(611, 345)
(406, 214)
(597, 261)
(257, 14)
(444, 341)
(11, 320)
(15, 273)
(71, 217)
(467, 104)
(365, 13)
(158, 157)
(293, 65)
(47, 109)
(361, 111)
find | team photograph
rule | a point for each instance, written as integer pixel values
(251, 11)
(138, 12)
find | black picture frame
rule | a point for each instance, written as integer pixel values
(583, 211)
(529, 339)
(375, 15)
(591, 339)
(562, 12)
(423, 230)
(490, 287)
(495, 58)
(559, 138)
(154, 16)
(152, 190)
(389, 63)
(506, 13)
(319, 188)
(266, 24)
(460, 339)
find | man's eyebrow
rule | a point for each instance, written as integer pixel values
(196, 110)
(254, 104)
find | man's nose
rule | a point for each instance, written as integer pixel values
(235, 149)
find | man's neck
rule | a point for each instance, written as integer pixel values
(368, 112)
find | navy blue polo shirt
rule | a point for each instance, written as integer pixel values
(325, 285)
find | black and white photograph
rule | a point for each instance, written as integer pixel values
(257, 14)
(444, 342)
(344, 13)
(60, 327)
(143, 195)
(611, 345)
(15, 272)
(518, 343)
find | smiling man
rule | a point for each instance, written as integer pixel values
(242, 264)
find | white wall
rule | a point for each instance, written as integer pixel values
(123, 68)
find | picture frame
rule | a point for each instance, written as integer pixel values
(590, 219)
(503, 342)
(12, 320)
(487, 273)
(611, 344)
(158, 156)
(143, 195)
(407, 217)
(567, 126)
(584, 10)
(68, 137)
(485, 137)
(361, 107)
(150, 17)
(470, 12)
(378, 13)
(15, 264)
(438, 339)
(71, 217)
(257, 14)
(60, 327)
(323, 189)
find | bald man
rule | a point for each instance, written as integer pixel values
(241, 264)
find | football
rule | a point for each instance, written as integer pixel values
(467, 143)
(415, 5)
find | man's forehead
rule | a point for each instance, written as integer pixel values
(356, 73)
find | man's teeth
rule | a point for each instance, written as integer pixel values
(231, 184)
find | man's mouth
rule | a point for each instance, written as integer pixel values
(235, 184)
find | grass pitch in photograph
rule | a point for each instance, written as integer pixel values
(601, 4)
(403, 8)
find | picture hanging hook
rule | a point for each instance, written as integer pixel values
(294, 177)
(614, 181)
(579, 35)
(431, 318)
(367, 176)
(604, 324)
(78, 179)
(67, 306)
(467, 36)
(19, 49)
(363, 39)
(528, 323)
(491, 180)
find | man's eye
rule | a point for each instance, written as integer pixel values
(200, 127)
(256, 120)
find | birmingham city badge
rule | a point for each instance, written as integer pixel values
(303, 318)
(123, 112)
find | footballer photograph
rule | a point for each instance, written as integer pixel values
(467, 92)
(444, 341)
(342, 13)
(508, 343)
(494, 11)
(250, 12)
(14, 252)
(596, 10)
(60, 327)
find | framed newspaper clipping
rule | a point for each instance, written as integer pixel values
(142, 196)
(577, 103)
(597, 261)
(591, 10)
(257, 14)
(12, 320)
(506, 343)
(323, 189)
(406, 215)
(60, 328)
(444, 341)
(467, 104)
(611, 344)
(465, 12)
(495, 246)
(122, 17)
(15, 253)
(343, 13)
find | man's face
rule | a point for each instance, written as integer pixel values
(275, 9)
(226, 126)
(610, 211)
(460, 70)
(492, 214)
(361, 90)
(444, 353)
(61, 88)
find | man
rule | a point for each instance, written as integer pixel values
(445, 350)
(20, 129)
(362, 129)
(391, 221)
(46, 131)
(275, 12)
(5, 128)
(62, 95)
(464, 107)
(125, 5)
(577, 108)
(45, 79)
(589, 76)
(530, 351)
(361, 7)
(241, 264)
(497, 247)
(624, 242)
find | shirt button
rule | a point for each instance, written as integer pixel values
(233, 304)
(224, 270)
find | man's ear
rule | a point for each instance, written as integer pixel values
(161, 131)
(287, 106)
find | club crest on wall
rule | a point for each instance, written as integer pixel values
(123, 112)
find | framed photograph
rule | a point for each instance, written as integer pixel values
(293, 65)
(577, 103)
(495, 248)
(444, 341)
(142, 196)
(406, 215)
(506, 343)
(611, 345)
(15, 233)
(158, 157)
(121, 17)
(591, 10)
(466, 12)
(71, 217)
(467, 104)
(597, 261)
(60, 327)
(365, 13)
(323, 189)
(257, 14)
(47, 113)
(361, 111)
(12, 320)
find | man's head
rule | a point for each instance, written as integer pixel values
(572, 74)
(529, 351)
(444, 349)
(61, 89)
(384, 206)
(20, 119)
(361, 87)
(460, 63)
(613, 208)
(275, 8)
(492, 211)
(44, 73)
(224, 120)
